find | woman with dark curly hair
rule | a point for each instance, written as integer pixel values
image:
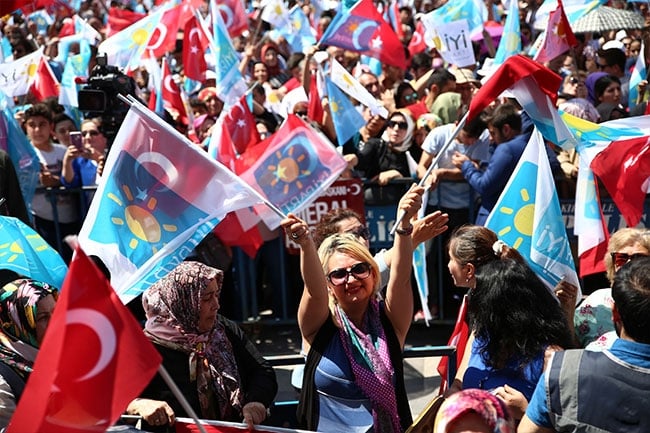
(515, 320)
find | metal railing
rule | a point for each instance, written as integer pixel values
(245, 272)
(283, 412)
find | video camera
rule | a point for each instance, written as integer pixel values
(99, 96)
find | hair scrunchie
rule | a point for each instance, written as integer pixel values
(497, 247)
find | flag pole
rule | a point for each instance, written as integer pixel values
(129, 99)
(442, 150)
(180, 397)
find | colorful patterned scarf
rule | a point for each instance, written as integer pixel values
(172, 307)
(18, 312)
(492, 411)
(367, 351)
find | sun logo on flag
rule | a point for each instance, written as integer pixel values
(139, 210)
(288, 170)
(581, 127)
(522, 219)
(140, 37)
(11, 251)
(32, 68)
(513, 217)
(140, 219)
(334, 106)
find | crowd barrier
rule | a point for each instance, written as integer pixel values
(380, 218)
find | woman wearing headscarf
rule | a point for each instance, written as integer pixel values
(25, 310)
(275, 64)
(354, 375)
(218, 370)
(590, 83)
(383, 159)
(474, 410)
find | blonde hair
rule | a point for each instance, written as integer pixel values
(622, 238)
(348, 244)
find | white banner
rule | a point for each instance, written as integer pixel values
(452, 40)
(17, 76)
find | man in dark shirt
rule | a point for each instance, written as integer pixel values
(14, 204)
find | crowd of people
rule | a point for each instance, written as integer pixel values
(356, 304)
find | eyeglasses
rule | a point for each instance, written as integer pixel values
(340, 276)
(360, 232)
(91, 132)
(621, 259)
(575, 80)
(400, 125)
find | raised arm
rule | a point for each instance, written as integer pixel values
(313, 309)
(424, 229)
(399, 297)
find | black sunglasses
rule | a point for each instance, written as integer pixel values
(621, 259)
(400, 125)
(361, 232)
(360, 271)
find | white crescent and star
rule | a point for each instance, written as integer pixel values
(354, 189)
(155, 43)
(416, 39)
(105, 332)
(358, 31)
(227, 12)
(163, 162)
(191, 34)
(167, 83)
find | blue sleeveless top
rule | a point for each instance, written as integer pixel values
(479, 375)
(343, 406)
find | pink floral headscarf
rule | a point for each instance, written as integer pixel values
(493, 411)
(172, 307)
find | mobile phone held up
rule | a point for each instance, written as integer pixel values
(77, 140)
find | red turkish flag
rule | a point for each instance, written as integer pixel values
(195, 43)
(315, 109)
(9, 6)
(235, 131)
(559, 37)
(163, 38)
(239, 124)
(119, 19)
(515, 69)
(231, 233)
(234, 17)
(45, 83)
(458, 339)
(417, 44)
(94, 360)
(187, 10)
(624, 168)
(171, 94)
(153, 99)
